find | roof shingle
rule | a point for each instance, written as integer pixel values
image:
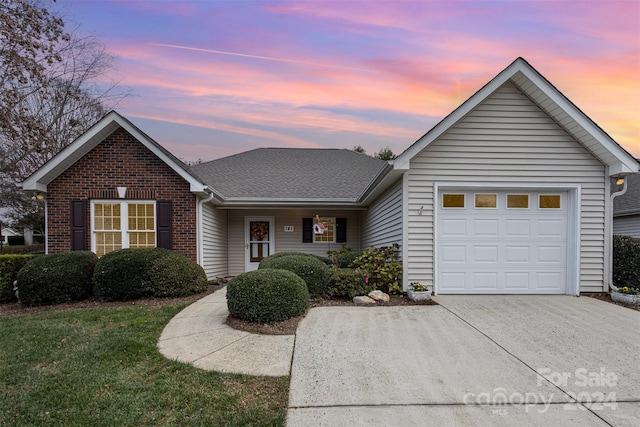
(292, 174)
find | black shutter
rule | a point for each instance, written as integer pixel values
(163, 224)
(78, 225)
(341, 230)
(307, 230)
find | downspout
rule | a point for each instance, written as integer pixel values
(200, 232)
(613, 196)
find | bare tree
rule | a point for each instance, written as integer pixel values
(385, 154)
(50, 93)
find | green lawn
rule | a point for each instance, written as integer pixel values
(101, 367)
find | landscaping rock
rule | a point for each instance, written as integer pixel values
(379, 296)
(363, 300)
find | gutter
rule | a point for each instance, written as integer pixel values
(613, 196)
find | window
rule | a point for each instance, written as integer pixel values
(486, 201)
(453, 200)
(549, 201)
(329, 232)
(517, 201)
(119, 225)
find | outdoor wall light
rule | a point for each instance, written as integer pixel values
(38, 196)
(620, 181)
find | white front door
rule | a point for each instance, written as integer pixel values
(502, 242)
(259, 240)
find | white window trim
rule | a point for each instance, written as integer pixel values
(327, 218)
(124, 219)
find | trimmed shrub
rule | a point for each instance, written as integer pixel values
(176, 275)
(37, 248)
(313, 271)
(267, 296)
(348, 283)
(124, 274)
(56, 278)
(9, 267)
(325, 260)
(626, 262)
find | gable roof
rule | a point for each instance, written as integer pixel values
(73, 152)
(550, 100)
(629, 202)
(293, 176)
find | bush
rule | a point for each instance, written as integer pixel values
(37, 248)
(124, 274)
(348, 283)
(176, 275)
(267, 296)
(343, 257)
(626, 262)
(9, 267)
(314, 272)
(382, 267)
(151, 272)
(325, 260)
(56, 278)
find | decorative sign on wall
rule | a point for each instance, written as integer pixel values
(288, 228)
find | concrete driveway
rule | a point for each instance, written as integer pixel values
(472, 360)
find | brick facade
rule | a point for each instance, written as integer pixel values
(120, 161)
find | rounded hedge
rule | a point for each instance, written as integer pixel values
(348, 283)
(267, 296)
(123, 275)
(175, 275)
(314, 272)
(56, 278)
(324, 259)
(10, 265)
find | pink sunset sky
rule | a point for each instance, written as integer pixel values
(214, 78)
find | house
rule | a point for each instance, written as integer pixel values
(626, 209)
(6, 233)
(507, 194)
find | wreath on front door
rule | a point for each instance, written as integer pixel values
(259, 230)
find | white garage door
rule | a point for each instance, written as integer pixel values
(502, 242)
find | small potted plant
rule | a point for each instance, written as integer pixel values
(626, 295)
(418, 292)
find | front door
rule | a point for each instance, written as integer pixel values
(259, 240)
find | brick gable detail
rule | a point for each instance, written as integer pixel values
(120, 160)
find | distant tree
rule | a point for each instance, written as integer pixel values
(49, 95)
(359, 149)
(385, 154)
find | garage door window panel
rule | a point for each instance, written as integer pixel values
(549, 201)
(517, 201)
(486, 201)
(453, 201)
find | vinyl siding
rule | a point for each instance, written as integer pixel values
(382, 222)
(214, 240)
(506, 140)
(286, 242)
(627, 225)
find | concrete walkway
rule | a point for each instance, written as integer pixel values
(199, 336)
(472, 360)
